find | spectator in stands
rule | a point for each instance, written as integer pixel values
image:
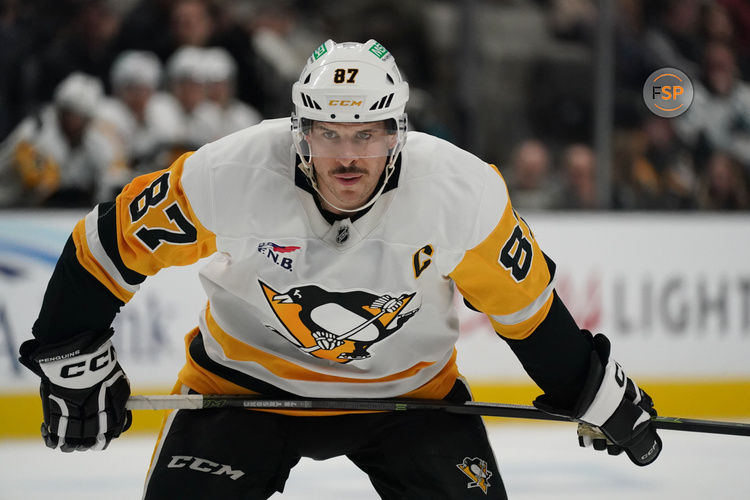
(578, 190)
(55, 158)
(529, 177)
(631, 63)
(164, 26)
(199, 118)
(143, 26)
(221, 73)
(426, 115)
(573, 20)
(282, 41)
(139, 119)
(724, 186)
(85, 44)
(191, 23)
(716, 24)
(674, 41)
(738, 12)
(719, 117)
(656, 168)
(19, 34)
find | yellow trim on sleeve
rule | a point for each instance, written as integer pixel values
(521, 330)
(92, 265)
(489, 286)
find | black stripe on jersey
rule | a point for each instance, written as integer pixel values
(199, 355)
(107, 227)
(556, 355)
(551, 266)
(75, 302)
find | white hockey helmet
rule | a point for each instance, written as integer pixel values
(349, 83)
(79, 93)
(187, 63)
(219, 65)
(136, 67)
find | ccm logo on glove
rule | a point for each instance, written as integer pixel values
(84, 370)
(654, 448)
(96, 363)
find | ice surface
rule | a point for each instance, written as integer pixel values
(537, 461)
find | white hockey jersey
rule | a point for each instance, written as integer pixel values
(36, 160)
(236, 116)
(141, 141)
(359, 308)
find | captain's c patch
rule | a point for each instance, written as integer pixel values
(421, 259)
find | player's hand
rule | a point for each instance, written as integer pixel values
(83, 391)
(614, 405)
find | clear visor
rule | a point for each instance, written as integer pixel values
(348, 140)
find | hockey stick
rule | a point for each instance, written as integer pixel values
(204, 401)
(354, 330)
(348, 334)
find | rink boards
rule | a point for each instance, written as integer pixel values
(671, 291)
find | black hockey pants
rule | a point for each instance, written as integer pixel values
(243, 454)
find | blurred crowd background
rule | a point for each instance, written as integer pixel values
(94, 92)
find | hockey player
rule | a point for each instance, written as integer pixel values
(56, 157)
(140, 119)
(336, 251)
(198, 118)
(221, 80)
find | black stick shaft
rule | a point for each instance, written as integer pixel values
(696, 425)
(471, 407)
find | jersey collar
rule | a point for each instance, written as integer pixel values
(302, 182)
(344, 231)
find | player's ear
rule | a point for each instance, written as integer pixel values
(391, 132)
(307, 128)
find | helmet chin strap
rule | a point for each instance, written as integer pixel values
(307, 168)
(389, 168)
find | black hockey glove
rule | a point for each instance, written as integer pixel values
(83, 391)
(611, 403)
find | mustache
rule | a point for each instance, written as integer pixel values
(351, 169)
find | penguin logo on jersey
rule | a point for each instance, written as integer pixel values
(339, 326)
(476, 470)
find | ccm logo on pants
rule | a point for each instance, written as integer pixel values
(203, 465)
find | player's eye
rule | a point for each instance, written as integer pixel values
(363, 136)
(329, 134)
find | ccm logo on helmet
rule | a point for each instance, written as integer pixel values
(96, 363)
(344, 102)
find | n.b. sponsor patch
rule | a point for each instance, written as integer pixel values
(281, 255)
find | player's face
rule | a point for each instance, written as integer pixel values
(136, 98)
(349, 159)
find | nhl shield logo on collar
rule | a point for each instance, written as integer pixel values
(342, 235)
(476, 470)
